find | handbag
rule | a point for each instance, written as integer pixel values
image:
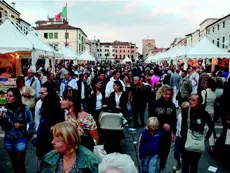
(195, 140)
(227, 139)
(99, 151)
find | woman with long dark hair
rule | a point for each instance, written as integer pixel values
(17, 122)
(209, 97)
(51, 114)
(85, 123)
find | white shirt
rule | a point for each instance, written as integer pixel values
(210, 100)
(71, 83)
(36, 85)
(37, 114)
(82, 90)
(109, 87)
(99, 102)
(117, 98)
(194, 77)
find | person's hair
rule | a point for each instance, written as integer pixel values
(161, 91)
(211, 83)
(118, 83)
(152, 123)
(49, 74)
(199, 97)
(20, 78)
(185, 72)
(73, 96)
(51, 108)
(16, 94)
(68, 133)
(116, 161)
(115, 72)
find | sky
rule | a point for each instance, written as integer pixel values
(128, 20)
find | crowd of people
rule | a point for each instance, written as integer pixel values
(63, 109)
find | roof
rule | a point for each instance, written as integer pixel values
(24, 21)
(57, 27)
(10, 7)
(219, 20)
(208, 19)
(119, 43)
(106, 44)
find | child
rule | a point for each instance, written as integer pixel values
(149, 146)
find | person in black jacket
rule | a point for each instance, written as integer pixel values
(97, 99)
(164, 109)
(83, 90)
(198, 118)
(51, 114)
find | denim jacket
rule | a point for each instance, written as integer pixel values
(87, 162)
(23, 116)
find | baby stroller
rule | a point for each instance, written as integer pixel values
(111, 126)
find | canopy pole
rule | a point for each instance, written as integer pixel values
(185, 63)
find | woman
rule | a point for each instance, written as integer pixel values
(17, 122)
(68, 155)
(97, 99)
(164, 109)
(198, 118)
(117, 99)
(51, 114)
(27, 93)
(209, 97)
(85, 123)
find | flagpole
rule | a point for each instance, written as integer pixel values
(66, 26)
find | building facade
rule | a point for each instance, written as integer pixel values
(147, 46)
(55, 33)
(124, 49)
(219, 32)
(6, 9)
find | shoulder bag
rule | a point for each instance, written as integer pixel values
(195, 140)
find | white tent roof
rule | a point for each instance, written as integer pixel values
(85, 56)
(151, 58)
(12, 39)
(40, 45)
(206, 49)
(127, 59)
(68, 53)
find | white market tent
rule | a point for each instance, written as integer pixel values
(12, 40)
(85, 56)
(127, 60)
(180, 52)
(206, 49)
(68, 53)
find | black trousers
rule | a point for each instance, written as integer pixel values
(165, 146)
(141, 112)
(190, 161)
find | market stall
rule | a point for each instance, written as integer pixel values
(85, 57)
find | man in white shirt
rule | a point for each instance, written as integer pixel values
(37, 113)
(33, 82)
(109, 87)
(67, 83)
(194, 77)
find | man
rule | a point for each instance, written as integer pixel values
(175, 84)
(109, 87)
(51, 85)
(83, 91)
(194, 77)
(43, 93)
(67, 83)
(203, 81)
(33, 82)
(185, 88)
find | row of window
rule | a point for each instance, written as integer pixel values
(54, 35)
(107, 50)
(218, 43)
(81, 38)
(218, 27)
(116, 56)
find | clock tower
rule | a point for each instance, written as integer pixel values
(147, 44)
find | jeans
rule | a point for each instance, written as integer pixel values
(15, 145)
(150, 164)
(190, 161)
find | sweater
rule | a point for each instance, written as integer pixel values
(149, 143)
(165, 112)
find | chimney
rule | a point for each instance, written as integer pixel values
(13, 4)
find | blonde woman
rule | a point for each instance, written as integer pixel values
(149, 145)
(68, 155)
(164, 109)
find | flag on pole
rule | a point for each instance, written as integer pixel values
(58, 17)
(61, 14)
